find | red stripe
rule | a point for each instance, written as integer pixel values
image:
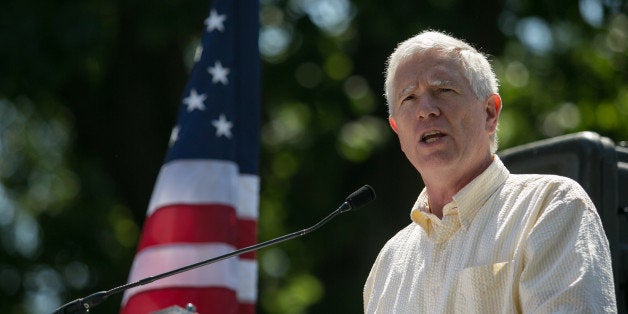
(190, 224)
(246, 308)
(206, 300)
(247, 236)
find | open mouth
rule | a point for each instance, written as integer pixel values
(431, 136)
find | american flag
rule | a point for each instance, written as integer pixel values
(205, 201)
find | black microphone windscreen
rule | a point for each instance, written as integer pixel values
(361, 197)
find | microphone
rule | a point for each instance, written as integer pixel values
(355, 200)
(359, 198)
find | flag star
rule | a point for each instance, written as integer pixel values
(219, 73)
(223, 126)
(215, 21)
(174, 135)
(195, 101)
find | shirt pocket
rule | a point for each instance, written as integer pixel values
(485, 289)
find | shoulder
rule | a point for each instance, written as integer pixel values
(405, 235)
(556, 201)
(542, 180)
(542, 196)
(403, 241)
(554, 186)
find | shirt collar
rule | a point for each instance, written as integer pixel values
(466, 202)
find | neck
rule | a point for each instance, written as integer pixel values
(441, 190)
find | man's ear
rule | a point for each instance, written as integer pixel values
(493, 108)
(392, 123)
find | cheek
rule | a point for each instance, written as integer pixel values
(473, 122)
(406, 138)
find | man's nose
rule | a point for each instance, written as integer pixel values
(427, 107)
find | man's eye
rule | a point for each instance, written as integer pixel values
(409, 97)
(445, 90)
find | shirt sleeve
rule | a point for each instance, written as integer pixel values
(368, 286)
(567, 264)
(375, 281)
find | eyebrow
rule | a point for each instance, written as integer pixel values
(407, 90)
(441, 82)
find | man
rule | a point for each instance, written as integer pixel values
(481, 240)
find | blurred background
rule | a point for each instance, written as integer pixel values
(89, 92)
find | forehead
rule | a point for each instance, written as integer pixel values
(428, 68)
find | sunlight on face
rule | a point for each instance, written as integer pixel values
(442, 126)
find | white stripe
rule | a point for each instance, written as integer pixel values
(198, 181)
(248, 197)
(247, 289)
(163, 258)
(206, 181)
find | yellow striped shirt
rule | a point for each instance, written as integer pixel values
(506, 244)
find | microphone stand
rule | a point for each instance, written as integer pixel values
(83, 305)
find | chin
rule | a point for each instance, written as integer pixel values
(434, 163)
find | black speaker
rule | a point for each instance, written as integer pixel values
(601, 167)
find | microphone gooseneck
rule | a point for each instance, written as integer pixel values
(355, 200)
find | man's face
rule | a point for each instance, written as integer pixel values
(441, 124)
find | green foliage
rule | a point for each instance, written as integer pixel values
(61, 230)
(83, 82)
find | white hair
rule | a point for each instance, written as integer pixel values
(477, 69)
